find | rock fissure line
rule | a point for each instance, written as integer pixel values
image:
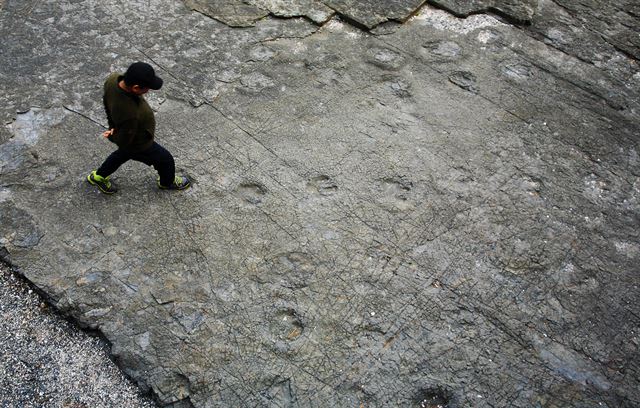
(350, 13)
(89, 118)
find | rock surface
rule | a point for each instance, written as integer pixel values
(314, 10)
(443, 213)
(364, 13)
(47, 362)
(232, 12)
(518, 10)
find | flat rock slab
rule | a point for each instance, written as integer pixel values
(567, 24)
(231, 12)
(238, 13)
(518, 10)
(443, 215)
(315, 10)
(372, 13)
(364, 13)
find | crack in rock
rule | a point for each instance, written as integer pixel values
(314, 10)
(362, 13)
(231, 12)
(517, 11)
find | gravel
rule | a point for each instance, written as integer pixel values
(47, 361)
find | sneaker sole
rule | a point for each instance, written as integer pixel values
(93, 183)
(175, 189)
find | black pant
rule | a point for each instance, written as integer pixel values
(156, 156)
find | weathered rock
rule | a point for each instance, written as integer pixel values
(518, 10)
(616, 22)
(362, 229)
(238, 13)
(312, 9)
(234, 13)
(24, 232)
(465, 80)
(592, 32)
(371, 13)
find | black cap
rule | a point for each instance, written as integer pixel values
(141, 73)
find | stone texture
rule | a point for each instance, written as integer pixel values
(443, 214)
(618, 22)
(231, 12)
(312, 9)
(518, 10)
(46, 361)
(570, 27)
(366, 14)
(371, 13)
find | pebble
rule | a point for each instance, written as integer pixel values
(47, 361)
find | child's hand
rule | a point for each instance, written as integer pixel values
(107, 133)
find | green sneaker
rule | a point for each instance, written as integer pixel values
(179, 183)
(103, 183)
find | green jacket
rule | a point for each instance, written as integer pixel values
(129, 115)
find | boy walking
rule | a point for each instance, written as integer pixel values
(132, 129)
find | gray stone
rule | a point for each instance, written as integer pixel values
(465, 80)
(234, 13)
(447, 49)
(371, 13)
(571, 27)
(445, 213)
(314, 10)
(24, 231)
(366, 14)
(518, 10)
(617, 22)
